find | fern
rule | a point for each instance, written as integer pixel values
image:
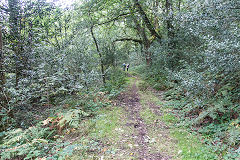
(28, 143)
(72, 118)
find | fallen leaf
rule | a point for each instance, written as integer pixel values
(104, 150)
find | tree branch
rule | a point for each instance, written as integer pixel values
(129, 39)
(4, 9)
(235, 8)
(146, 20)
(99, 53)
(116, 18)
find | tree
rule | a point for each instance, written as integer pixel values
(146, 20)
(2, 77)
(129, 13)
(169, 26)
(100, 55)
(14, 22)
(2, 72)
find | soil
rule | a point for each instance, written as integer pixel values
(130, 101)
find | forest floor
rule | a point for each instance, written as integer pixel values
(137, 127)
(149, 134)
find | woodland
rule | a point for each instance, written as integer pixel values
(62, 79)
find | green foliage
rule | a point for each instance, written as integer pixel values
(169, 118)
(34, 142)
(202, 70)
(41, 140)
(45, 140)
(143, 86)
(154, 76)
(220, 132)
(49, 55)
(71, 118)
(191, 147)
(116, 79)
(28, 143)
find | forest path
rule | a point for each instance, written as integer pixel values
(150, 136)
(132, 128)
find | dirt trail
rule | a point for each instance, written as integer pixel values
(130, 101)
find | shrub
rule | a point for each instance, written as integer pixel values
(115, 81)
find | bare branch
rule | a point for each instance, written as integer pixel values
(129, 39)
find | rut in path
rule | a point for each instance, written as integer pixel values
(130, 101)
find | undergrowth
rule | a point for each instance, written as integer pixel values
(219, 134)
(102, 136)
(153, 76)
(187, 145)
(46, 137)
(215, 116)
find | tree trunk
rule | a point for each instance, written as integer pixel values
(148, 54)
(100, 55)
(145, 42)
(2, 75)
(155, 8)
(147, 21)
(170, 28)
(29, 50)
(15, 36)
(170, 34)
(179, 5)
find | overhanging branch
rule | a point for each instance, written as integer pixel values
(146, 20)
(129, 39)
(115, 18)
